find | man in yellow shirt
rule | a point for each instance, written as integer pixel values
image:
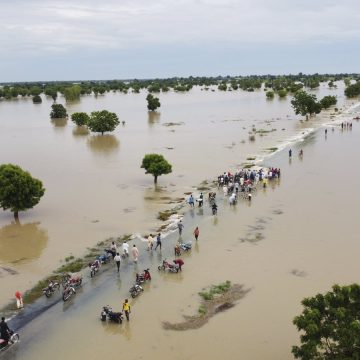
(126, 309)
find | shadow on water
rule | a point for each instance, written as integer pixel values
(80, 131)
(103, 144)
(153, 118)
(59, 123)
(20, 243)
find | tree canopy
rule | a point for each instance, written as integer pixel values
(72, 93)
(80, 118)
(156, 165)
(353, 90)
(153, 102)
(331, 325)
(19, 191)
(304, 103)
(328, 101)
(58, 111)
(103, 121)
(37, 99)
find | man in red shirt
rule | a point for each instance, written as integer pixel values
(179, 262)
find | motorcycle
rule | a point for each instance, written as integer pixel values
(214, 209)
(72, 281)
(136, 290)
(111, 252)
(144, 276)
(107, 312)
(168, 266)
(104, 258)
(5, 344)
(50, 289)
(186, 246)
(94, 267)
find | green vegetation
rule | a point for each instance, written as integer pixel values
(270, 94)
(103, 121)
(215, 290)
(252, 158)
(282, 93)
(330, 325)
(72, 93)
(272, 149)
(156, 165)
(58, 111)
(72, 266)
(153, 102)
(328, 101)
(304, 103)
(202, 309)
(80, 118)
(19, 191)
(37, 99)
(164, 215)
(353, 90)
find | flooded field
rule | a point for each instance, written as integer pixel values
(94, 185)
(293, 240)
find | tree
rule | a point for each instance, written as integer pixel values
(80, 118)
(331, 325)
(102, 121)
(37, 99)
(58, 111)
(353, 90)
(304, 103)
(328, 101)
(156, 165)
(270, 94)
(153, 102)
(282, 93)
(72, 93)
(19, 191)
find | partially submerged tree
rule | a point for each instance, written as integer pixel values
(72, 93)
(330, 325)
(19, 191)
(328, 101)
(156, 165)
(37, 99)
(80, 118)
(153, 102)
(270, 94)
(305, 104)
(58, 111)
(103, 121)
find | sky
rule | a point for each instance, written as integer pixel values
(44, 40)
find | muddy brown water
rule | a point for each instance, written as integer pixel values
(96, 189)
(307, 224)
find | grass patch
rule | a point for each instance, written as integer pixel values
(73, 266)
(247, 165)
(202, 310)
(69, 258)
(272, 149)
(251, 158)
(164, 215)
(215, 290)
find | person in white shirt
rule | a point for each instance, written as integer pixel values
(117, 259)
(125, 248)
(150, 241)
(135, 253)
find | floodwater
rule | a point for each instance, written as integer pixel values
(96, 189)
(295, 239)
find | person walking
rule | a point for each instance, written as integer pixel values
(125, 248)
(150, 242)
(117, 259)
(191, 201)
(196, 233)
(180, 227)
(126, 309)
(158, 241)
(19, 300)
(4, 330)
(135, 253)
(290, 153)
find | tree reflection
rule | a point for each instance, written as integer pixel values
(153, 117)
(80, 131)
(103, 144)
(22, 242)
(59, 123)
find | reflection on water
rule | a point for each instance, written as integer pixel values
(103, 144)
(59, 123)
(81, 131)
(22, 242)
(153, 117)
